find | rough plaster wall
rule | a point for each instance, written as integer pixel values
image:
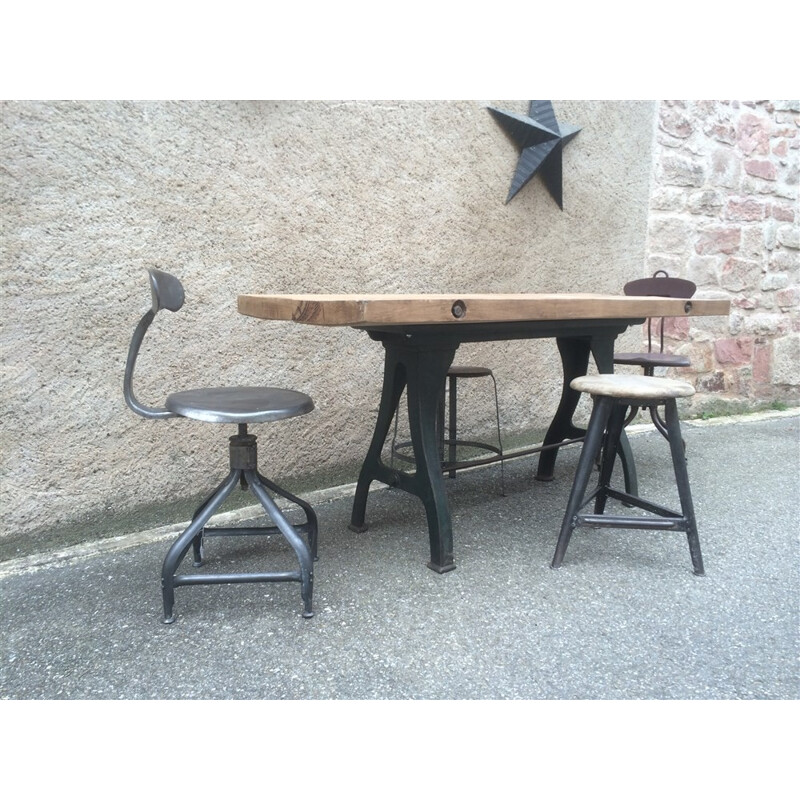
(268, 197)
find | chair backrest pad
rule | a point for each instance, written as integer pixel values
(167, 290)
(660, 287)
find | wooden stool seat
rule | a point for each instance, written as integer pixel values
(612, 395)
(642, 388)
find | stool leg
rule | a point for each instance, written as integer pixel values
(197, 542)
(180, 546)
(616, 423)
(628, 466)
(301, 549)
(451, 421)
(601, 410)
(682, 479)
(499, 438)
(311, 516)
(658, 422)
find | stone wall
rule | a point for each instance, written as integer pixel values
(724, 213)
(255, 197)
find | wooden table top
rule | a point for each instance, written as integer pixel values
(378, 310)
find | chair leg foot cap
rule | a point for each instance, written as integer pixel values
(168, 620)
(358, 528)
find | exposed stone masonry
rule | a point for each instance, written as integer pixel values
(724, 213)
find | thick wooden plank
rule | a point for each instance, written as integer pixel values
(418, 309)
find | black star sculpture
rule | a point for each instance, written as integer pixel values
(540, 139)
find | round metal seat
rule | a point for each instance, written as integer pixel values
(239, 404)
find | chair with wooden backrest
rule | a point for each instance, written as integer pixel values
(239, 405)
(660, 285)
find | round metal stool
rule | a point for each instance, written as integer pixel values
(448, 437)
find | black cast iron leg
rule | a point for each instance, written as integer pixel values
(426, 370)
(182, 544)
(301, 549)
(574, 354)
(677, 449)
(394, 382)
(591, 446)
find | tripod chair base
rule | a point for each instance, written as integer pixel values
(244, 472)
(613, 395)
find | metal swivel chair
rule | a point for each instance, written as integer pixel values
(660, 285)
(239, 406)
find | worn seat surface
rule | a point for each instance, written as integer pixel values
(632, 387)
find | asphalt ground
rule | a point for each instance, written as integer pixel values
(623, 619)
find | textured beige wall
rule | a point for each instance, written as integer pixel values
(267, 196)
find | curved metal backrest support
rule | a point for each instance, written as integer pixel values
(167, 292)
(660, 285)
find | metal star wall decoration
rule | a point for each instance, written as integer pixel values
(540, 139)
